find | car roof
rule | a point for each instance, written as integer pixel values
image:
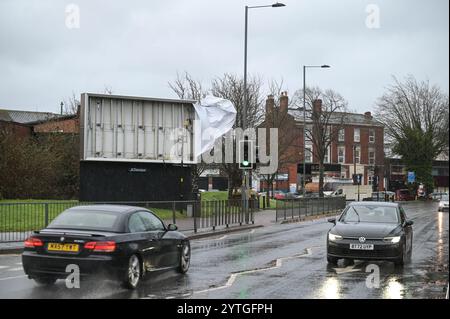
(384, 204)
(121, 209)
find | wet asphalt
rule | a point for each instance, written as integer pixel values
(273, 262)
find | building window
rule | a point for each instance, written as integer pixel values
(327, 156)
(341, 135)
(397, 169)
(356, 135)
(308, 153)
(341, 154)
(371, 136)
(370, 179)
(357, 155)
(371, 156)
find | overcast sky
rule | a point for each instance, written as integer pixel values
(136, 47)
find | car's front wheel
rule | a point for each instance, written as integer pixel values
(403, 259)
(185, 258)
(133, 273)
(332, 260)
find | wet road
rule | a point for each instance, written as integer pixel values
(279, 261)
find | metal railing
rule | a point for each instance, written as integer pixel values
(19, 219)
(304, 207)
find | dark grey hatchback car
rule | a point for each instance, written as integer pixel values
(371, 231)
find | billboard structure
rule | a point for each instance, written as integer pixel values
(136, 129)
(132, 148)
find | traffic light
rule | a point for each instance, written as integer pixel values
(357, 179)
(246, 160)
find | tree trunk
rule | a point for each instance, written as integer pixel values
(321, 173)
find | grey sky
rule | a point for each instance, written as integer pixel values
(136, 47)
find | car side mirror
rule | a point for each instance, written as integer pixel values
(332, 220)
(409, 223)
(172, 227)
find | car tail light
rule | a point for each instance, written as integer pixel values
(101, 246)
(33, 242)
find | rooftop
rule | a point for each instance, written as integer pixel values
(25, 117)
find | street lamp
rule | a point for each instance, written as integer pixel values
(324, 66)
(244, 109)
(275, 5)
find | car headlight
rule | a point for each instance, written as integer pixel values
(394, 239)
(333, 237)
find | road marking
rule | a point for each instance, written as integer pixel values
(233, 277)
(225, 236)
(15, 269)
(20, 264)
(15, 277)
(3, 267)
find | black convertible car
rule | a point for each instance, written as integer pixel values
(371, 230)
(120, 241)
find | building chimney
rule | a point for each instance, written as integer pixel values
(368, 115)
(317, 106)
(284, 101)
(270, 104)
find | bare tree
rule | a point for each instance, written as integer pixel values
(71, 104)
(415, 115)
(326, 113)
(231, 87)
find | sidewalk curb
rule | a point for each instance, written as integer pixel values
(305, 219)
(223, 231)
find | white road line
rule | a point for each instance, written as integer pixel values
(15, 269)
(15, 277)
(225, 236)
(232, 278)
(3, 267)
(20, 264)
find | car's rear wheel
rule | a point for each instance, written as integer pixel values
(185, 258)
(133, 274)
(332, 260)
(45, 281)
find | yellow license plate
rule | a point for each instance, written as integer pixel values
(63, 247)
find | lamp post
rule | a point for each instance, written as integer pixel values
(324, 66)
(275, 5)
(245, 186)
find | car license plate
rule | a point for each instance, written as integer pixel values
(62, 247)
(361, 246)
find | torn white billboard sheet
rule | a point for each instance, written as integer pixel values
(217, 117)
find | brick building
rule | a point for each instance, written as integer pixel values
(358, 147)
(26, 123)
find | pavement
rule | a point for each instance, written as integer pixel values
(277, 261)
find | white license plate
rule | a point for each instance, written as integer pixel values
(361, 246)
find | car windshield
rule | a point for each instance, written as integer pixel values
(444, 198)
(86, 220)
(370, 214)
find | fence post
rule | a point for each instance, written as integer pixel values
(173, 213)
(46, 215)
(195, 215)
(284, 208)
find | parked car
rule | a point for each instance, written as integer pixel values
(384, 196)
(371, 231)
(279, 195)
(291, 195)
(443, 204)
(404, 195)
(123, 242)
(437, 195)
